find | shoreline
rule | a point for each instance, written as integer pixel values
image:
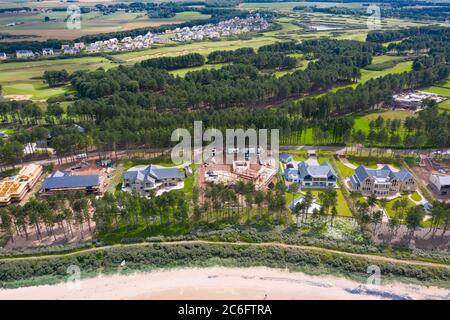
(225, 283)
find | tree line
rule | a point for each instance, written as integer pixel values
(233, 85)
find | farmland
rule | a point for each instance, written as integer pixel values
(91, 23)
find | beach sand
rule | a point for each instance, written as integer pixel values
(224, 283)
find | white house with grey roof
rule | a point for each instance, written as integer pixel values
(441, 184)
(142, 180)
(382, 182)
(312, 175)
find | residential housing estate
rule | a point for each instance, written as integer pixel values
(234, 26)
(382, 182)
(312, 175)
(142, 180)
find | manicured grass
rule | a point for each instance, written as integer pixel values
(384, 58)
(391, 212)
(183, 72)
(37, 90)
(164, 162)
(362, 121)
(344, 170)
(371, 164)
(438, 90)
(416, 196)
(25, 71)
(444, 105)
(202, 47)
(342, 207)
(304, 65)
(401, 67)
(300, 158)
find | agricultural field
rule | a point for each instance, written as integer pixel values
(288, 6)
(91, 23)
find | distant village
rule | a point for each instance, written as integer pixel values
(235, 26)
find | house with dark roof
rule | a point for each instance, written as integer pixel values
(64, 181)
(285, 157)
(382, 182)
(312, 175)
(142, 180)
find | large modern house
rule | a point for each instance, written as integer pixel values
(312, 175)
(382, 182)
(441, 184)
(142, 180)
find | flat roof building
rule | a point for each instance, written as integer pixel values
(64, 181)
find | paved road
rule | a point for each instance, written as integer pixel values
(124, 153)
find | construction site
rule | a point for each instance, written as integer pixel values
(432, 165)
(15, 188)
(260, 172)
(87, 176)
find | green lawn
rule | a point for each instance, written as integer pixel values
(438, 90)
(304, 65)
(344, 170)
(28, 70)
(390, 211)
(36, 90)
(300, 157)
(384, 58)
(362, 121)
(183, 72)
(416, 196)
(342, 207)
(444, 105)
(371, 164)
(401, 67)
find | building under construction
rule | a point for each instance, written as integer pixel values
(14, 189)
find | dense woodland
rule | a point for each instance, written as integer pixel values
(128, 107)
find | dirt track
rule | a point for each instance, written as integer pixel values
(266, 244)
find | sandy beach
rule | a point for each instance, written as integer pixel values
(224, 283)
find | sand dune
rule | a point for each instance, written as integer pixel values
(224, 283)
